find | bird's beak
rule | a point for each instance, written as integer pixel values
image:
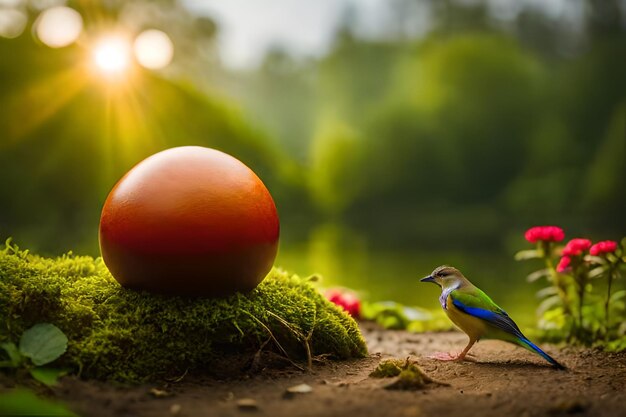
(428, 279)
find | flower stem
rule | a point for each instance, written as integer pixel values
(558, 284)
(556, 280)
(581, 295)
(581, 280)
(607, 302)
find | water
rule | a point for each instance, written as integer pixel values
(393, 274)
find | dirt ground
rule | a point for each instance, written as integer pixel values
(505, 381)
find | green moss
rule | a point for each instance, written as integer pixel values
(409, 376)
(388, 368)
(120, 334)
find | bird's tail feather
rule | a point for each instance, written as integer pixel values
(531, 346)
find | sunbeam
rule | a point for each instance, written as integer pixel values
(41, 100)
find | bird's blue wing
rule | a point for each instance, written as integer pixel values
(482, 307)
(477, 304)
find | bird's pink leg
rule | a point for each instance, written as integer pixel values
(463, 356)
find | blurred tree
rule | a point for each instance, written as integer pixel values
(69, 136)
(603, 190)
(336, 165)
(354, 77)
(458, 120)
(279, 97)
(454, 126)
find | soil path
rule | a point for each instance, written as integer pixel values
(505, 381)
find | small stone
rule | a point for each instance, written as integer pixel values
(175, 409)
(298, 389)
(248, 404)
(159, 393)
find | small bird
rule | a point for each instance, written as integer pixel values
(476, 314)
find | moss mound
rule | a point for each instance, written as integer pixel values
(388, 368)
(409, 376)
(125, 335)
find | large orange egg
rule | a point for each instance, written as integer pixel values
(189, 221)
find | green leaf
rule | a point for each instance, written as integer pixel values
(544, 292)
(43, 343)
(597, 272)
(527, 254)
(538, 274)
(596, 260)
(47, 376)
(548, 304)
(617, 295)
(14, 355)
(416, 314)
(21, 402)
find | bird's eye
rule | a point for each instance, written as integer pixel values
(443, 274)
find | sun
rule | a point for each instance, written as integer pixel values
(112, 55)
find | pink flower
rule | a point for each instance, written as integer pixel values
(544, 233)
(346, 300)
(576, 247)
(606, 246)
(563, 264)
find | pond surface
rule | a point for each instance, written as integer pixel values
(393, 274)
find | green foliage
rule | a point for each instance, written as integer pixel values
(47, 376)
(428, 124)
(79, 136)
(607, 168)
(41, 344)
(336, 160)
(22, 402)
(448, 137)
(120, 334)
(580, 305)
(392, 315)
(14, 358)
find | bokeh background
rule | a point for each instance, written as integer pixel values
(394, 135)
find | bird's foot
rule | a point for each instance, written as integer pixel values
(446, 356)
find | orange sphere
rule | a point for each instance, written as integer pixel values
(189, 221)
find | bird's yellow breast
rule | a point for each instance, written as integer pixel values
(473, 326)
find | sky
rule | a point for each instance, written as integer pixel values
(247, 28)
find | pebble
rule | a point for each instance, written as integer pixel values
(159, 393)
(175, 409)
(300, 389)
(297, 389)
(249, 404)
